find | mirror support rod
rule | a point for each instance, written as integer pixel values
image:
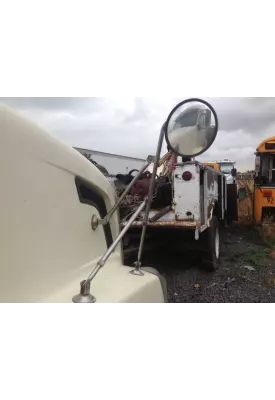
(137, 271)
(85, 296)
(106, 219)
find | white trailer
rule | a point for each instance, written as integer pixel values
(115, 164)
(190, 196)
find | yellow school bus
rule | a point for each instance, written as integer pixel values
(264, 192)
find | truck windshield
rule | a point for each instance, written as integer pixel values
(226, 168)
(187, 119)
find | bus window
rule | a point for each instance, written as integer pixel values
(272, 165)
(270, 146)
(265, 165)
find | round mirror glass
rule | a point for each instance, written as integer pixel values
(191, 128)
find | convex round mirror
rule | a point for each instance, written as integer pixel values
(191, 127)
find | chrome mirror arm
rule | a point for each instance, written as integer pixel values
(85, 296)
(136, 270)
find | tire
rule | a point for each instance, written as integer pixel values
(211, 246)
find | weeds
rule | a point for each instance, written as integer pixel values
(258, 257)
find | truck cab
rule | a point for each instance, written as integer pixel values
(51, 195)
(226, 167)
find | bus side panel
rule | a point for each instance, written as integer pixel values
(262, 202)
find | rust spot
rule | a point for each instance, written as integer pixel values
(160, 214)
(167, 224)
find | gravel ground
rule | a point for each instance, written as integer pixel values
(246, 274)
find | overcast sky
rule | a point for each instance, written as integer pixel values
(130, 126)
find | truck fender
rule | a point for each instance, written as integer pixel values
(155, 272)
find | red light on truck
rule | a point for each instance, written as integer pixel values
(187, 176)
(267, 194)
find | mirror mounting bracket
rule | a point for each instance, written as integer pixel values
(85, 296)
(137, 270)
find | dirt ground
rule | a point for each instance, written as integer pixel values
(246, 273)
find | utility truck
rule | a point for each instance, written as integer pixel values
(182, 194)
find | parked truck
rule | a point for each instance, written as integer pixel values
(227, 167)
(190, 196)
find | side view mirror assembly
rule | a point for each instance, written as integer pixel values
(190, 129)
(185, 132)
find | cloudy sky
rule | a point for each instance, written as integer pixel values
(130, 126)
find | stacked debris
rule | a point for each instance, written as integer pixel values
(163, 193)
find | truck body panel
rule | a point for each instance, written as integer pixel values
(193, 202)
(50, 194)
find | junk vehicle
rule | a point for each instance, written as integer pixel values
(264, 191)
(49, 242)
(101, 169)
(181, 193)
(99, 166)
(113, 163)
(227, 167)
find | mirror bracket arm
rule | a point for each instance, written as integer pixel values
(85, 296)
(137, 271)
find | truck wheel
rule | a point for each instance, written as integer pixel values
(212, 246)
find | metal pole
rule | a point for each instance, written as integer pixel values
(105, 257)
(149, 202)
